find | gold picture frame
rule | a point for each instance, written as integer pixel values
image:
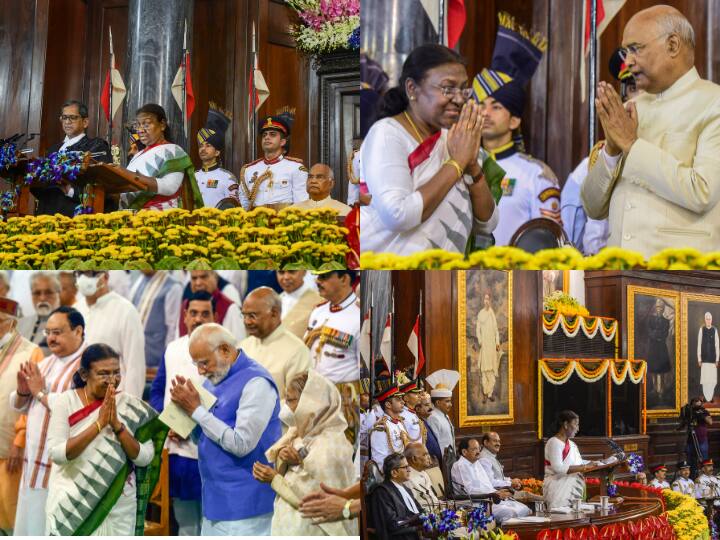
(685, 343)
(467, 419)
(680, 366)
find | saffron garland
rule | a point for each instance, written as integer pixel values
(552, 320)
(620, 370)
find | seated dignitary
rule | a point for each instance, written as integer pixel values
(469, 477)
(489, 460)
(320, 182)
(418, 482)
(63, 198)
(93, 439)
(241, 428)
(313, 451)
(394, 512)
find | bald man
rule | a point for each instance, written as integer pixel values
(269, 342)
(419, 482)
(658, 176)
(320, 182)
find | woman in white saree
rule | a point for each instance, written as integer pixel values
(564, 466)
(314, 450)
(431, 183)
(105, 448)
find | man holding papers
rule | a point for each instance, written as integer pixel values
(235, 433)
(185, 480)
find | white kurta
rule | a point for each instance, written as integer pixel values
(559, 487)
(473, 478)
(113, 320)
(494, 469)
(488, 337)
(341, 208)
(282, 353)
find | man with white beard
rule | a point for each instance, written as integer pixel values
(45, 290)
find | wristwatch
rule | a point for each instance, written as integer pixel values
(346, 510)
(41, 394)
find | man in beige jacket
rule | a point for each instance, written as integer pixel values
(658, 177)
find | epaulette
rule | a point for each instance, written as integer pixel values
(594, 153)
(546, 171)
(296, 160)
(225, 170)
(549, 193)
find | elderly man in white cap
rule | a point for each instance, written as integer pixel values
(443, 382)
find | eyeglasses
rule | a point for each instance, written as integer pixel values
(636, 49)
(452, 91)
(406, 467)
(43, 292)
(54, 332)
(70, 117)
(142, 127)
(107, 376)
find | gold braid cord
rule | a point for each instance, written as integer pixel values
(251, 194)
(350, 173)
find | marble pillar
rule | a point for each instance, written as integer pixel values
(393, 28)
(155, 46)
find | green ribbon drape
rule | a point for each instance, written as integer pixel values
(179, 164)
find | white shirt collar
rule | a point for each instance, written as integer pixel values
(406, 497)
(69, 142)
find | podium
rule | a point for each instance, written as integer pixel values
(603, 472)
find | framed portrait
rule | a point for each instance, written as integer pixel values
(555, 280)
(701, 347)
(654, 336)
(485, 337)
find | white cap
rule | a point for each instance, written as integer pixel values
(443, 382)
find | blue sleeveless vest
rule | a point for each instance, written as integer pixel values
(229, 491)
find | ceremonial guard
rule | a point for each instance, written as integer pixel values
(217, 185)
(389, 434)
(276, 180)
(443, 382)
(707, 485)
(530, 189)
(659, 473)
(410, 392)
(682, 483)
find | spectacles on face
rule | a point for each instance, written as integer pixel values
(137, 126)
(204, 362)
(636, 49)
(54, 331)
(70, 118)
(406, 467)
(37, 293)
(107, 375)
(451, 91)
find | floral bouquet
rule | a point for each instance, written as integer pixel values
(55, 167)
(326, 25)
(564, 304)
(8, 156)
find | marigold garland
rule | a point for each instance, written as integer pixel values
(553, 320)
(510, 258)
(620, 370)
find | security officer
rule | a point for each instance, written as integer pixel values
(707, 485)
(216, 184)
(389, 434)
(659, 472)
(530, 189)
(410, 392)
(682, 483)
(275, 180)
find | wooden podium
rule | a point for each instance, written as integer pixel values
(99, 179)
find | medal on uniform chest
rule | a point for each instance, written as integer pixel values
(508, 186)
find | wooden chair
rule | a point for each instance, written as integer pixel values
(449, 459)
(540, 233)
(438, 482)
(371, 478)
(161, 499)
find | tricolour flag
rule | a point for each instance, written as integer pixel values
(455, 17)
(415, 345)
(386, 343)
(114, 88)
(258, 90)
(183, 80)
(364, 343)
(606, 11)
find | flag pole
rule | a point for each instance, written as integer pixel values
(392, 332)
(593, 73)
(110, 121)
(184, 83)
(420, 325)
(253, 94)
(441, 22)
(372, 353)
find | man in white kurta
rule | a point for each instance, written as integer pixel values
(708, 356)
(269, 343)
(113, 320)
(320, 182)
(489, 460)
(299, 298)
(658, 178)
(15, 351)
(469, 475)
(488, 337)
(54, 376)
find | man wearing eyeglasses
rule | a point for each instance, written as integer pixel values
(37, 387)
(658, 176)
(63, 198)
(394, 512)
(530, 189)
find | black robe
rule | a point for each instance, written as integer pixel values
(52, 199)
(387, 508)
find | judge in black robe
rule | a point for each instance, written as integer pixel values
(55, 199)
(389, 514)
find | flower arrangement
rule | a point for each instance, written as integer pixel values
(8, 156)
(205, 238)
(326, 25)
(564, 304)
(55, 167)
(442, 524)
(635, 462)
(478, 519)
(510, 258)
(686, 516)
(555, 319)
(533, 485)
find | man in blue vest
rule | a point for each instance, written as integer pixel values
(236, 432)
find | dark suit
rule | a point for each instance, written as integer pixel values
(432, 444)
(52, 199)
(388, 510)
